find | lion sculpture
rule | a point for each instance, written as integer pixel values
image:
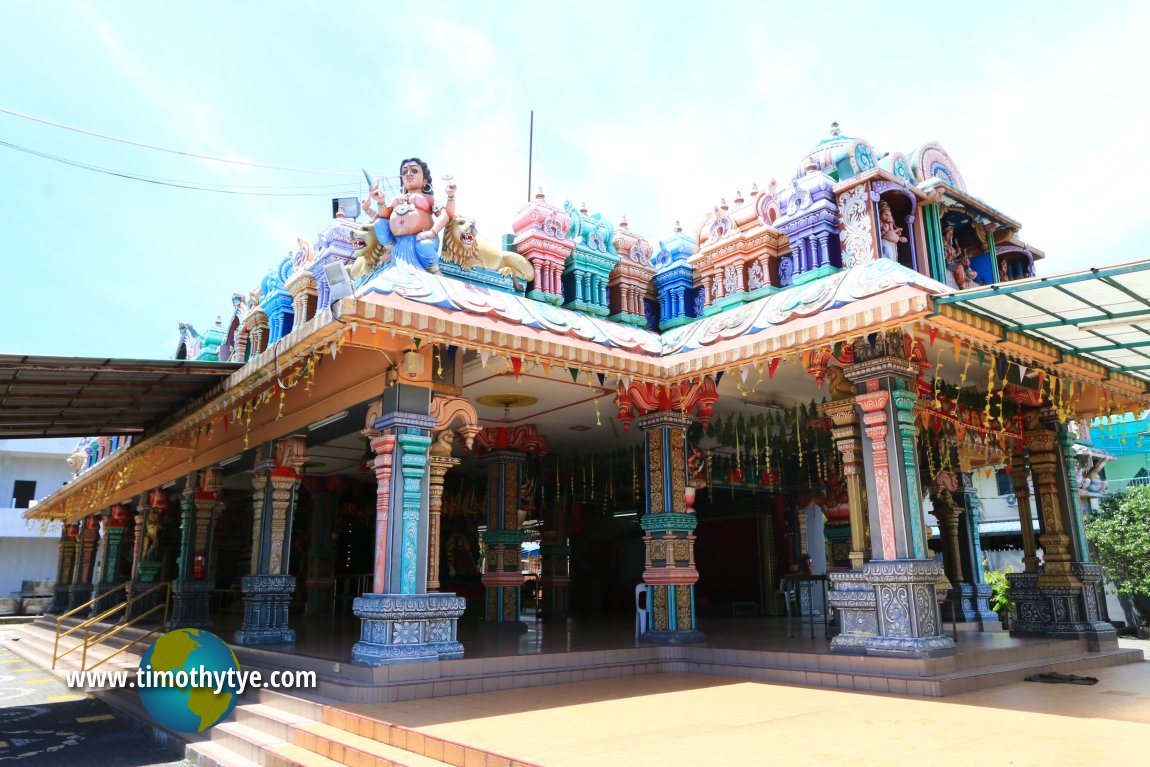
(369, 254)
(462, 246)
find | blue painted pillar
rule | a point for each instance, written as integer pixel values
(401, 621)
(503, 539)
(669, 540)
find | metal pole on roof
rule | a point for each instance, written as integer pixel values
(530, 149)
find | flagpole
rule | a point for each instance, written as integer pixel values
(530, 150)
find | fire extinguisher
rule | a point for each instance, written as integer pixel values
(198, 566)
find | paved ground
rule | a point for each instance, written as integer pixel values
(669, 720)
(44, 724)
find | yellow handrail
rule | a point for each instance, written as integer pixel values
(60, 618)
(124, 607)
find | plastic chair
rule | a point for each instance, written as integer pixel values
(640, 610)
(786, 590)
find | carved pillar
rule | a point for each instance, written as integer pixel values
(80, 590)
(440, 465)
(65, 567)
(1061, 600)
(555, 561)
(948, 516)
(890, 607)
(321, 554)
(401, 621)
(1068, 488)
(150, 563)
(1055, 542)
(849, 444)
(1020, 474)
(669, 539)
(503, 540)
(109, 558)
(268, 590)
(142, 509)
(971, 595)
(192, 590)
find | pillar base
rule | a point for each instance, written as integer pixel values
(148, 572)
(78, 594)
(266, 602)
(407, 628)
(106, 603)
(693, 636)
(1062, 612)
(191, 604)
(59, 599)
(503, 627)
(890, 608)
(971, 604)
(141, 606)
(318, 596)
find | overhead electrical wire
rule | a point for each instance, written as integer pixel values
(246, 163)
(199, 187)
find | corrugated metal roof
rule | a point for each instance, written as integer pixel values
(1102, 315)
(43, 396)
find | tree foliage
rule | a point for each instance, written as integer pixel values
(1120, 532)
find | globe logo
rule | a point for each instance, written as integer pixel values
(189, 680)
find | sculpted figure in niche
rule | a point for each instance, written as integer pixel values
(151, 531)
(890, 234)
(958, 272)
(412, 221)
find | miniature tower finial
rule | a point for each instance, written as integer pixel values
(539, 193)
(678, 226)
(835, 128)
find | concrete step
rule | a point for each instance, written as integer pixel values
(436, 749)
(210, 754)
(970, 680)
(289, 755)
(350, 748)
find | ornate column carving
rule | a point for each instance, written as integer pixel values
(401, 621)
(80, 589)
(1055, 542)
(109, 558)
(440, 465)
(1020, 474)
(890, 606)
(505, 455)
(1061, 599)
(192, 590)
(668, 525)
(845, 432)
(948, 514)
(268, 590)
(65, 567)
(325, 496)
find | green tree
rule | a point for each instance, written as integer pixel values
(1120, 532)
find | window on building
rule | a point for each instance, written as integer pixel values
(1005, 483)
(23, 492)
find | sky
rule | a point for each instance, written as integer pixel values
(653, 110)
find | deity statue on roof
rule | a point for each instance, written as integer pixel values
(890, 234)
(959, 274)
(412, 220)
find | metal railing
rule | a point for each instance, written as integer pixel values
(104, 634)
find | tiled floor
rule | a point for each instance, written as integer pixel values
(331, 638)
(688, 719)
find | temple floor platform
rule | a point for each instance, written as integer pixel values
(564, 694)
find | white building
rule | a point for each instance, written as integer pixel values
(30, 469)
